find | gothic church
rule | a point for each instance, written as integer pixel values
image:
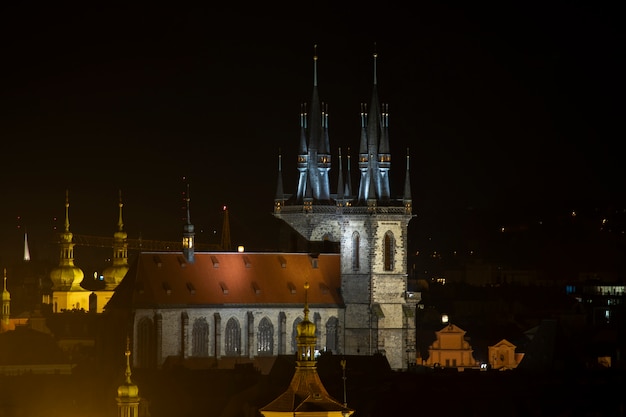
(216, 305)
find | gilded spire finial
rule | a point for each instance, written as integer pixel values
(306, 301)
(315, 65)
(188, 199)
(120, 223)
(5, 279)
(375, 57)
(127, 354)
(67, 210)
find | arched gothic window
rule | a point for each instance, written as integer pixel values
(356, 243)
(146, 349)
(233, 338)
(266, 337)
(332, 328)
(200, 338)
(388, 251)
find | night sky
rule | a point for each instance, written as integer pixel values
(501, 106)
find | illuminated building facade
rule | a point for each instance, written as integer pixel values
(369, 226)
(502, 355)
(215, 305)
(67, 293)
(451, 350)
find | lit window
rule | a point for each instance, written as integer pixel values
(233, 338)
(266, 337)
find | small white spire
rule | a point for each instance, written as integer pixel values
(26, 250)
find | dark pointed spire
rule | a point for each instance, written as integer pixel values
(373, 118)
(315, 114)
(384, 157)
(363, 142)
(375, 56)
(383, 148)
(408, 202)
(188, 232)
(302, 149)
(315, 65)
(340, 184)
(226, 243)
(363, 162)
(279, 198)
(324, 159)
(303, 157)
(371, 193)
(348, 185)
(187, 200)
(325, 142)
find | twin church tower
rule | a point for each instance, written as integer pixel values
(369, 224)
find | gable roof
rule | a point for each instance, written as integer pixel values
(305, 393)
(504, 343)
(165, 279)
(451, 328)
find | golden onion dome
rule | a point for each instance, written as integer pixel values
(113, 275)
(128, 390)
(120, 235)
(66, 277)
(306, 328)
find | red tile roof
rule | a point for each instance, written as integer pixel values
(162, 279)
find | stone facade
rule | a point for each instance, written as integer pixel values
(228, 332)
(373, 250)
(368, 223)
(451, 350)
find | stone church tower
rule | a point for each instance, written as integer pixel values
(368, 226)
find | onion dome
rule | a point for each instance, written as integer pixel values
(115, 273)
(128, 391)
(66, 276)
(6, 295)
